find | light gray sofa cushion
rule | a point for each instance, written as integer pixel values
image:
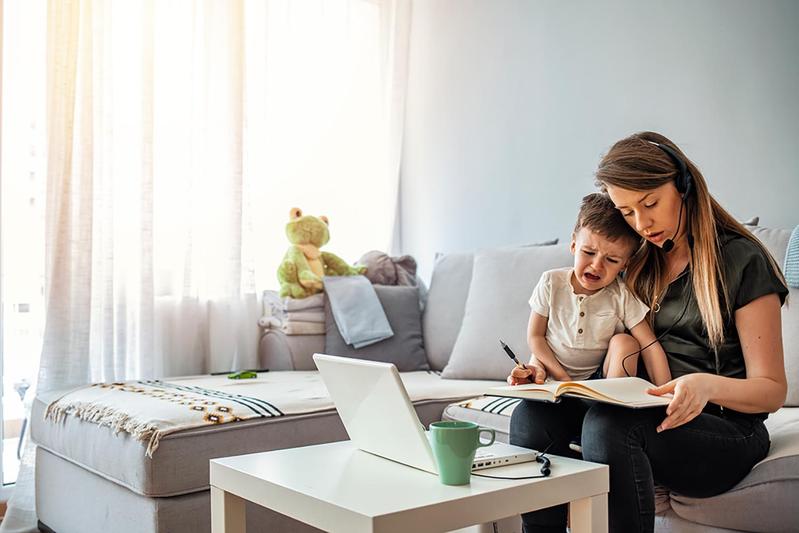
(776, 240)
(497, 308)
(106, 506)
(446, 302)
(790, 344)
(670, 522)
(405, 348)
(766, 499)
(70, 498)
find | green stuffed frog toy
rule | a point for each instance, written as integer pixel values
(304, 265)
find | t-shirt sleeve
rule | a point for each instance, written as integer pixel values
(749, 274)
(542, 295)
(633, 309)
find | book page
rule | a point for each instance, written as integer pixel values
(630, 390)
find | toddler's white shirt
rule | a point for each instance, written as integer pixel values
(579, 326)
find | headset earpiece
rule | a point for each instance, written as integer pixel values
(684, 180)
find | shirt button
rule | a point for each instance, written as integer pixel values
(582, 313)
(580, 331)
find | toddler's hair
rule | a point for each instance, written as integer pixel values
(599, 214)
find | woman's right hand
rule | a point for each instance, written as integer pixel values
(534, 371)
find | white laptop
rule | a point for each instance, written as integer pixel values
(379, 417)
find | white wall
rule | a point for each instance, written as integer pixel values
(511, 103)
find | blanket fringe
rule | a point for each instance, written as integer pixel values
(118, 421)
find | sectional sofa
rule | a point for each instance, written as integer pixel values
(90, 480)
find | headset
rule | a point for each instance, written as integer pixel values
(684, 181)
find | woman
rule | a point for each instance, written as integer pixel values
(715, 295)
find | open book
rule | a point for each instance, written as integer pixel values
(629, 392)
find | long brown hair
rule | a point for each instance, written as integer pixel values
(636, 164)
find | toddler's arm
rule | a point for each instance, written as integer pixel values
(657, 365)
(539, 347)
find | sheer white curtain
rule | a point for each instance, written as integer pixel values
(180, 134)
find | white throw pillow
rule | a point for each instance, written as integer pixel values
(497, 308)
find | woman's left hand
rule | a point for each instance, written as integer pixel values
(691, 394)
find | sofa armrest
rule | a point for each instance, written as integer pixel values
(273, 351)
(278, 351)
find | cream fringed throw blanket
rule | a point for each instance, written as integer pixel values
(149, 410)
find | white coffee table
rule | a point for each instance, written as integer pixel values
(336, 487)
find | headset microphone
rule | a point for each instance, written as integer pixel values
(668, 244)
(685, 185)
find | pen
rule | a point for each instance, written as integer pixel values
(510, 353)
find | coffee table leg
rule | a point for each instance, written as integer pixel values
(589, 515)
(227, 512)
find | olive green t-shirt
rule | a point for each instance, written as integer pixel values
(748, 276)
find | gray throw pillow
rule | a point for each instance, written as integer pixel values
(446, 302)
(405, 349)
(497, 308)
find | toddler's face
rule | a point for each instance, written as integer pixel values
(597, 259)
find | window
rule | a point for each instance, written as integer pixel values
(22, 177)
(205, 124)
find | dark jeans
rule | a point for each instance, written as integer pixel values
(702, 458)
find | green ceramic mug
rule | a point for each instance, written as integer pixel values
(454, 445)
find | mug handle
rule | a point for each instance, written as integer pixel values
(488, 430)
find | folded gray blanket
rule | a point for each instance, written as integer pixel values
(357, 310)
